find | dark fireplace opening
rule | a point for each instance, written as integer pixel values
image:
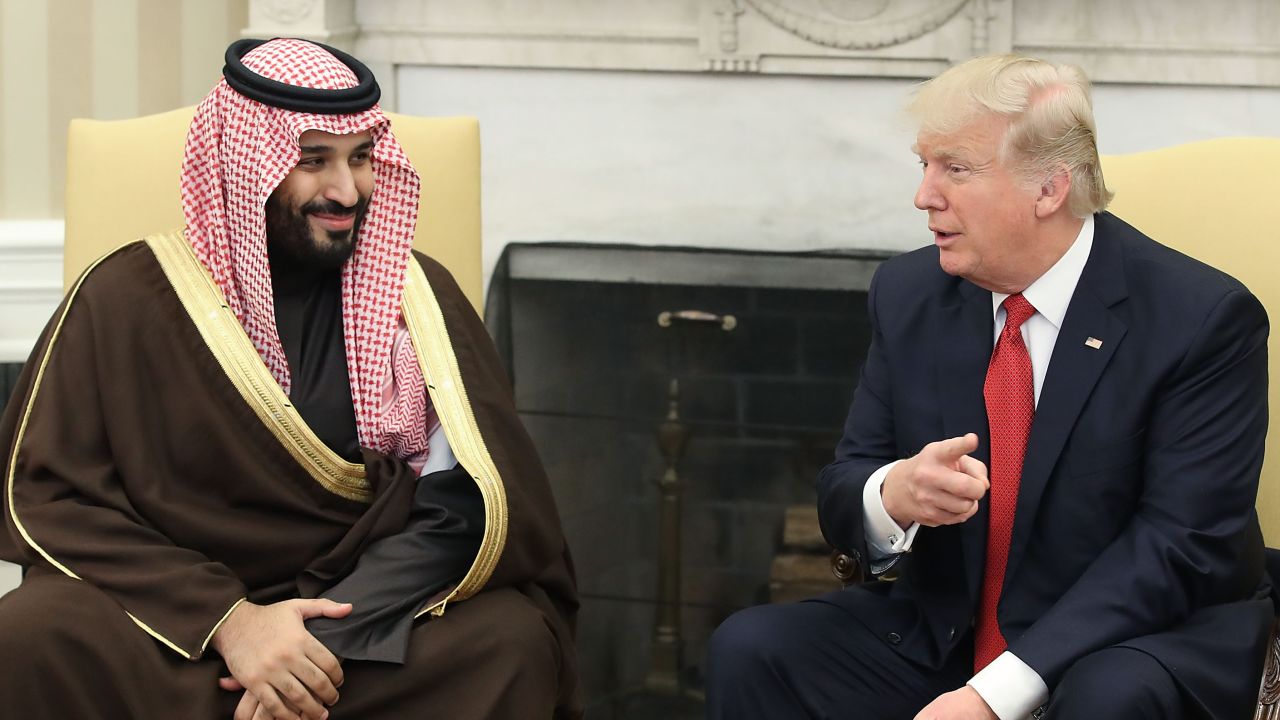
(683, 401)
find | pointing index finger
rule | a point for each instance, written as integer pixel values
(952, 449)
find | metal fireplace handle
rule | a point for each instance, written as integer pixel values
(667, 317)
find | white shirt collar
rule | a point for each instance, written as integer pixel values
(1051, 292)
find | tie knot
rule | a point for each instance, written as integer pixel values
(1017, 310)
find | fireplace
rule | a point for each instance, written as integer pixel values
(682, 400)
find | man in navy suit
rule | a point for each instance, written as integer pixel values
(1055, 444)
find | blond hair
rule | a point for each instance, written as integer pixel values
(1050, 114)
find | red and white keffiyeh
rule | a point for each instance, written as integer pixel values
(238, 151)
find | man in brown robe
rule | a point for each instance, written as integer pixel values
(269, 466)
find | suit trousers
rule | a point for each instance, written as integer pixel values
(815, 659)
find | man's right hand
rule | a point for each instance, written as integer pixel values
(270, 653)
(941, 485)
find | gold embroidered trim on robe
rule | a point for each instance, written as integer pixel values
(22, 429)
(239, 359)
(425, 321)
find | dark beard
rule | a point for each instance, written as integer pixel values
(290, 243)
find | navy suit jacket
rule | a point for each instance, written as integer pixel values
(1135, 520)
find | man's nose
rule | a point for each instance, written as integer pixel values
(927, 196)
(341, 187)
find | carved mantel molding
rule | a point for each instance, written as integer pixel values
(332, 22)
(872, 29)
(1141, 41)
(288, 12)
(877, 38)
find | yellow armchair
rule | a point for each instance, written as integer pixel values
(122, 183)
(1215, 201)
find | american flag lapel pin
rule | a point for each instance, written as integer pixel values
(1094, 343)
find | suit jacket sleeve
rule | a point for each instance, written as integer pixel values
(1185, 546)
(868, 444)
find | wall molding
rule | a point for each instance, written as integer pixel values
(864, 33)
(1171, 64)
(30, 282)
(1143, 41)
(332, 22)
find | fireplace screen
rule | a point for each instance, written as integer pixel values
(683, 401)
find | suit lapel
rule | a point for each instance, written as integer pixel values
(964, 342)
(1074, 370)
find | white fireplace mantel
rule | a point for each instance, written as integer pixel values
(1139, 41)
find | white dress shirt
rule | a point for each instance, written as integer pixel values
(439, 454)
(1008, 685)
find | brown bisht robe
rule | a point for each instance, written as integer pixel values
(156, 475)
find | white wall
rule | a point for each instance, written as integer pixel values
(743, 161)
(101, 59)
(1134, 118)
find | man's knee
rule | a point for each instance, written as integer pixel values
(520, 655)
(45, 617)
(1116, 683)
(748, 642)
(62, 649)
(504, 631)
(525, 636)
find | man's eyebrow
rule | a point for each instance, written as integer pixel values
(322, 149)
(946, 154)
(940, 152)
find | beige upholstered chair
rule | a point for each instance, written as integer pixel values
(122, 183)
(1215, 200)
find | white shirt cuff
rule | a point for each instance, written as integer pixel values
(1010, 687)
(885, 538)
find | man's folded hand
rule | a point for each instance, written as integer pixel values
(286, 673)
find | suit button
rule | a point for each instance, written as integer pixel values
(894, 638)
(951, 633)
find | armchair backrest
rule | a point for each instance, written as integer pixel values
(1215, 200)
(122, 183)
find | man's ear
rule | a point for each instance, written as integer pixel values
(1053, 192)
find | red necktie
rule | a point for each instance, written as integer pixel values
(1011, 405)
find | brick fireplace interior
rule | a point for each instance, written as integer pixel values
(759, 408)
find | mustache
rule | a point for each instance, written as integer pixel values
(328, 207)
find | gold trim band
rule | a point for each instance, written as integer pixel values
(425, 321)
(209, 637)
(239, 360)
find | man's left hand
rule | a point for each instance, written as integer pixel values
(962, 704)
